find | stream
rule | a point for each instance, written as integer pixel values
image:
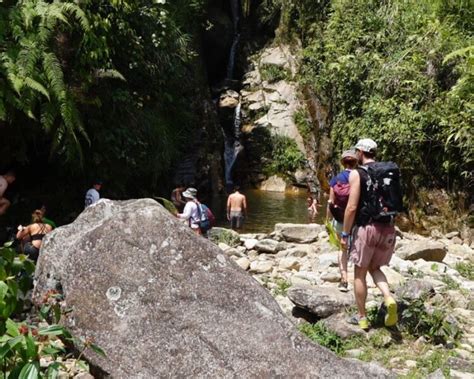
(268, 208)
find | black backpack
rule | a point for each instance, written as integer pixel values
(382, 199)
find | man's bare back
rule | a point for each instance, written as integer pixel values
(236, 202)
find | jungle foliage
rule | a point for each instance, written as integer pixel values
(400, 72)
(98, 84)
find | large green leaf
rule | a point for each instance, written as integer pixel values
(51, 330)
(30, 371)
(9, 345)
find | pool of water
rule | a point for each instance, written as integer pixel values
(265, 209)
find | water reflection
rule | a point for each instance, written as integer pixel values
(267, 209)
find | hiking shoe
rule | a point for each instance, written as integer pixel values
(391, 317)
(361, 321)
(343, 286)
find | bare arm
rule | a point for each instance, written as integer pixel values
(23, 232)
(244, 204)
(228, 208)
(353, 202)
(331, 200)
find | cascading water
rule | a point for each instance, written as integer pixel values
(232, 140)
(233, 147)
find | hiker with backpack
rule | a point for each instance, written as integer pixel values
(374, 200)
(199, 217)
(338, 197)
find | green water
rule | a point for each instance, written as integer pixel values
(265, 209)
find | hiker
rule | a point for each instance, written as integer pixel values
(236, 208)
(36, 232)
(312, 207)
(369, 218)
(93, 195)
(177, 197)
(191, 212)
(338, 197)
(46, 220)
(5, 181)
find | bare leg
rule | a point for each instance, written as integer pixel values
(343, 265)
(360, 289)
(381, 281)
(4, 204)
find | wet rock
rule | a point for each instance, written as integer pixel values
(133, 275)
(299, 233)
(273, 184)
(321, 301)
(229, 99)
(415, 289)
(427, 250)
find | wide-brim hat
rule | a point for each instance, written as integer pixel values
(366, 145)
(190, 193)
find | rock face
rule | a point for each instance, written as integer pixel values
(163, 302)
(273, 184)
(423, 249)
(321, 301)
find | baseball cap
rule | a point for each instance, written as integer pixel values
(366, 145)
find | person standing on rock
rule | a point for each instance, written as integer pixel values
(191, 212)
(372, 242)
(5, 181)
(93, 195)
(337, 203)
(177, 197)
(236, 208)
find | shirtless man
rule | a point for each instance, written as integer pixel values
(236, 209)
(5, 180)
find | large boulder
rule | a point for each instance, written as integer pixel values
(422, 249)
(300, 233)
(320, 301)
(164, 302)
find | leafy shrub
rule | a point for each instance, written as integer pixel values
(282, 287)
(303, 123)
(22, 345)
(435, 324)
(466, 269)
(224, 236)
(319, 333)
(451, 284)
(285, 158)
(273, 73)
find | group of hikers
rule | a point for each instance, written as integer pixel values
(363, 201)
(199, 217)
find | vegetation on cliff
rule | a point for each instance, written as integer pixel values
(399, 72)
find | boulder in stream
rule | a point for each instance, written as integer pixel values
(164, 302)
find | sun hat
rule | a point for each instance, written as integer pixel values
(190, 193)
(349, 154)
(366, 145)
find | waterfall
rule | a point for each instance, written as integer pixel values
(235, 9)
(232, 146)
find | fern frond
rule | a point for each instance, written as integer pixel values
(36, 86)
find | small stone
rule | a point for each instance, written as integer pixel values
(332, 277)
(243, 262)
(410, 364)
(289, 264)
(223, 246)
(261, 267)
(452, 235)
(457, 241)
(354, 353)
(420, 342)
(455, 374)
(250, 243)
(464, 354)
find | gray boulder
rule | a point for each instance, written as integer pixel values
(268, 246)
(339, 325)
(422, 249)
(163, 302)
(300, 233)
(415, 289)
(321, 301)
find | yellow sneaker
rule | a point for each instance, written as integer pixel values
(361, 321)
(391, 317)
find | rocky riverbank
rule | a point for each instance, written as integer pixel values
(432, 279)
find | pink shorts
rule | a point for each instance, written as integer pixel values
(372, 245)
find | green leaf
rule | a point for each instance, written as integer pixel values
(51, 330)
(30, 371)
(9, 345)
(12, 328)
(3, 290)
(31, 348)
(98, 350)
(53, 370)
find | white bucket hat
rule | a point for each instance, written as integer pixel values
(190, 193)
